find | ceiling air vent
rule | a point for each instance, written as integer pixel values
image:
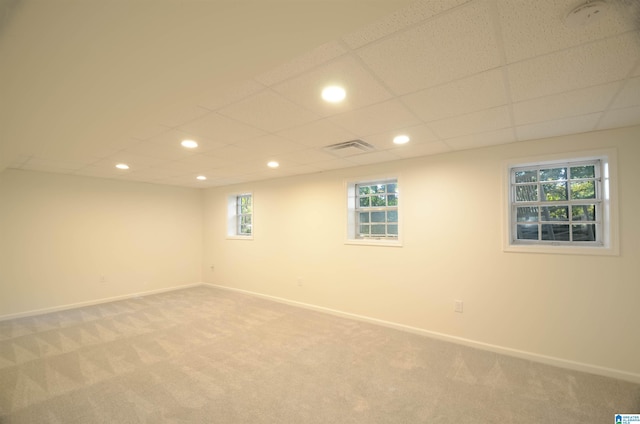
(349, 148)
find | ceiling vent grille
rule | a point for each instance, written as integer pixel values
(349, 148)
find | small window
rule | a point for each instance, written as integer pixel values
(240, 216)
(373, 211)
(560, 204)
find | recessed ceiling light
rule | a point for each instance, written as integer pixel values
(401, 139)
(273, 164)
(201, 177)
(334, 94)
(189, 144)
(122, 166)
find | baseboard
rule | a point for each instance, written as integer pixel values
(93, 302)
(548, 360)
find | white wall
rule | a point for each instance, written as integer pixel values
(59, 234)
(582, 309)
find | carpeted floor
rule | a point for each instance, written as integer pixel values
(204, 355)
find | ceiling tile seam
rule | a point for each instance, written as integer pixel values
(619, 92)
(499, 35)
(311, 69)
(244, 97)
(412, 25)
(593, 128)
(574, 47)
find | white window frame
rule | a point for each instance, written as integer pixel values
(234, 216)
(607, 227)
(353, 210)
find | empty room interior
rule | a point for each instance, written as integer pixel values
(358, 211)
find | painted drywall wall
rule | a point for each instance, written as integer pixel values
(576, 308)
(60, 234)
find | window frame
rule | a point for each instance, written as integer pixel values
(354, 210)
(234, 216)
(606, 200)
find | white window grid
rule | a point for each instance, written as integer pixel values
(244, 214)
(577, 220)
(376, 210)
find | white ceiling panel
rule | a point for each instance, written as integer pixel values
(220, 130)
(318, 133)
(221, 96)
(306, 156)
(181, 115)
(373, 157)
(421, 149)
(159, 151)
(571, 103)
(449, 47)
(476, 122)
(363, 89)
(481, 91)
(302, 63)
(620, 118)
(417, 134)
(608, 60)
(47, 165)
(390, 115)
(629, 95)
(473, 141)
(268, 111)
(535, 28)
(415, 12)
(573, 125)
(271, 144)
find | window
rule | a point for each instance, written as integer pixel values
(240, 216)
(560, 204)
(373, 211)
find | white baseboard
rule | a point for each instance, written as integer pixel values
(93, 302)
(549, 360)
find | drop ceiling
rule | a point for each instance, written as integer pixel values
(88, 84)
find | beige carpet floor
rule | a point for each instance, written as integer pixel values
(204, 355)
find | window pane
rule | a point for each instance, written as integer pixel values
(378, 201)
(363, 190)
(377, 217)
(583, 190)
(365, 229)
(555, 213)
(527, 214)
(392, 199)
(392, 229)
(378, 229)
(392, 188)
(527, 232)
(392, 216)
(364, 202)
(379, 188)
(553, 174)
(555, 232)
(527, 193)
(526, 176)
(587, 171)
(583, 212)
(584, 232)
(364, 217)
(553, 192)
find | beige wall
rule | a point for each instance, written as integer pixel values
(59, 234)
(576, 308)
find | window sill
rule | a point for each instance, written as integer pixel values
(562, 250)
(239, 237)
(368, 242)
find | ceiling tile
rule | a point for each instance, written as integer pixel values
(373, 157)
(220, 130)
(620, 118)
(227, 94)
(572, 103)
(48, 165)
(333, 164)
(159, 151)
(476, 122)
(587, 65)
(197, 163)
(136, 162)
(302, 63)
(535, 28)
(145, 132)
(269, 112)
(231, 153)
(181, 115)
(629, 95)
(449, 47)
(421, 149)
(478, 92)
(573, 125)
(270, 144)
(363, 89)
(490, 138)
(383, 117)
(307, 156)
(416, 12)
(318, 134)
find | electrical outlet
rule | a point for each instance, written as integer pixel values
(457, 306)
